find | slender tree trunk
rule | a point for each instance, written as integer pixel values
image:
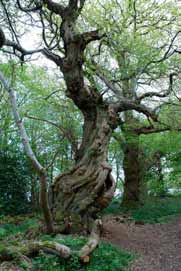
(34, 201)
(44, 203)
(158, 163)
(79, 194)
(31, 155)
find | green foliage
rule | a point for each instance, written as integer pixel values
(52, 122)
(155, 210)
(156, 188)
(142, 24)
(169, 145)
(14, 183)
(106, 257)
(113, 208)
(10, 229)
(158, 210)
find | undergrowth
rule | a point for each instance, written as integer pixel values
(106, 257)
(155, 210)
(8, 228)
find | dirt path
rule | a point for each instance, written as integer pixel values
(159, 245)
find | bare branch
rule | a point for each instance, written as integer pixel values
(54, 7)
(167, 54)
(44, 120)
(108, 83)
(53, 160)
(19, 48)
(24, 9)
(65, 132)
(9, 21)
(157, 94)
(51, 94)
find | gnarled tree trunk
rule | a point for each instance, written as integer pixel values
(79, 194)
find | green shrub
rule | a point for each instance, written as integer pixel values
(14, 183)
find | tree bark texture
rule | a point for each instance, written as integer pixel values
(132, 161)
(132, 166)
(78, 195)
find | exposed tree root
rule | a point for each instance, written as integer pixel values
(32, 248)
(92, 242)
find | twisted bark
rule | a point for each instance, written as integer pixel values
(77, 196)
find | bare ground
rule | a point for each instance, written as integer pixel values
(157, 246)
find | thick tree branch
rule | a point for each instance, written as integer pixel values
(53, 57)
(23, 52)
(33, 247)
(150, 130)
(19, 48)
(2, 38)
(125, 105)
(92, 36)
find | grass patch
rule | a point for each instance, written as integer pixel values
(8, 229)
(155, 210)
(106, 257)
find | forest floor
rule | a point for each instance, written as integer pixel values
(158, 246)
(149, 237)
